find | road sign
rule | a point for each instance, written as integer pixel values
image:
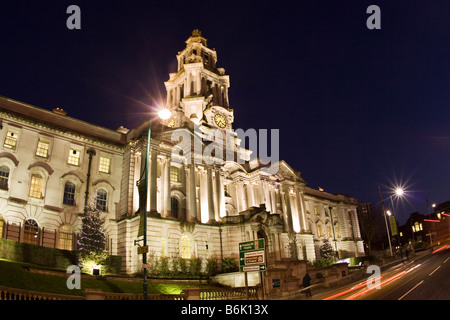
(252, 256)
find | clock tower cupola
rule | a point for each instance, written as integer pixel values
(198, 91)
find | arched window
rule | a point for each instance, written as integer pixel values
(4, 177)
(69, 193)
(65, 237)
(185, 247)
(31, 232)
(102, 200)
(36, 186)
(174, 206)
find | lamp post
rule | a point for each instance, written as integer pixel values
(385, 220)
(164, 114)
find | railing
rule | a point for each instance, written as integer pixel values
(19, 294)
(229, 294)
(92, 294)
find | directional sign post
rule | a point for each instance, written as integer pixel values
(252, 256)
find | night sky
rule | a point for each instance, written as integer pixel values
(356, 108)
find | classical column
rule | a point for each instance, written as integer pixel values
(167, 203)
(192, 216)
(273, 199)
(153, 181)
(305, 226)
(267, 196)
(209, 190)
(218, 193)
(250, 200)
(287, 200)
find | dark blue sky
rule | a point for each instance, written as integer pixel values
(356, 108)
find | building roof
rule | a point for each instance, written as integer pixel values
(58, 119)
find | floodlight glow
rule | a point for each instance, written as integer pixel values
(164, 114)
(399, 191)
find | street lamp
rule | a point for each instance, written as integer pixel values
(163, 114)
(385, 221)
(399, 192)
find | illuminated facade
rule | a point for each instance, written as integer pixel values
(197, 208)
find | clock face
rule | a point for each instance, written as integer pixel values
(220, 120)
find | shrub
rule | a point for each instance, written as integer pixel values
(212, 266)
(229, 265)
(195, 267)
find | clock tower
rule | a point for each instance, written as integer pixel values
(198, 91)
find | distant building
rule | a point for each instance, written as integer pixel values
(431, 229)
(50, 165)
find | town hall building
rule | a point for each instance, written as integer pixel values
(52, 164)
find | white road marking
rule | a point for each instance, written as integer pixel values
(434, 271)
(410, 290)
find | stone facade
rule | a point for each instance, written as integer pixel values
(50, 162)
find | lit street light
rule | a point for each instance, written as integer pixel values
(164, 114)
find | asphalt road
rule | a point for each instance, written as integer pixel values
(425, 279)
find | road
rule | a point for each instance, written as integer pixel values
(425, 279)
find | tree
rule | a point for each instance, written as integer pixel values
(327, 252)
(91, 243)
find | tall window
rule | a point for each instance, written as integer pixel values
(36, 186)
(65, 237)
(4, 177)
(69, 193)
(185, 247)
(102, 197)
(2, 223)
(104, 165)
(42, 149)
(319, 231)
(174, 207)
(10, 140)
(329, 232)
(174, 176)
(31, 232)
(74, 157)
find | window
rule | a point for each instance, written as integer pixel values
(316, 210)
(74, 157)
(185, 247)
(2, 223)
(4, 177)
(36, 186)
(104, 165)
(174, 176)
(69, 194)
(417, 227)
(42, 149)
(102, 197)
(65, 237)
(319, 231)
(329, 233)
(11, 140)
(174, 207)
(31, 232)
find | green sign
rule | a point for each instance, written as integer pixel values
(393, 224)
(252, 256)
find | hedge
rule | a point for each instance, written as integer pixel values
(47, 257)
